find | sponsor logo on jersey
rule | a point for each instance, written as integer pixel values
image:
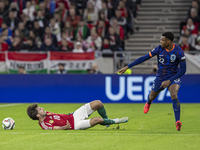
(173, 57)
(51, 121)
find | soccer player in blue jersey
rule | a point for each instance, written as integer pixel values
(169, 56)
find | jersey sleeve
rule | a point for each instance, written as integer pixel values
(46, 126)
(154, 51)
(181, 56)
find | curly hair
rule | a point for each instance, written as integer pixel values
(32, 111)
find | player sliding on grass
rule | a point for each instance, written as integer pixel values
(169, 56)
(73, 121)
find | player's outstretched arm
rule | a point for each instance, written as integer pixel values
(134, 63)
(66, 127)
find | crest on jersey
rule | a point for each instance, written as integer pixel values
(173, 57)
(49, 113)
(51, 121)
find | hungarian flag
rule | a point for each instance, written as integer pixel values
(32, 62)
(73, 62)
(2, 63)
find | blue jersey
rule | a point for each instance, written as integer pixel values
(168, 61)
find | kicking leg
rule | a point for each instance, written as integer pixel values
(173, 89)
(151, 97)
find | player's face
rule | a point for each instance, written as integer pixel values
(41, 111)
(164, 42)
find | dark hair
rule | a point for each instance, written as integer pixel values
(32, 111)
(169, 35)
(21, 67)
(61, 64)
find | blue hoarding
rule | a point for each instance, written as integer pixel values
(84, 88)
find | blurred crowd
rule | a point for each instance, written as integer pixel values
(190, 28)
(66, 25)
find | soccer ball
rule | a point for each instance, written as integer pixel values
(8, 123)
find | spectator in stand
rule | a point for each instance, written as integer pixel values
(27, 23)
(194, 16)
(21, 70)
(55, 29)
(14, 7)
(3, 44)
(22, 28)
(36, 39)
(43, 22)
(48, 45)
(61, 69)
(50, 5)
(101, 29)
(73, 6)
(11, 21)
(73, 18)
(69, 42)
(80, 5)
(196, 6)
(82, 30)
(119, 31)
(190, 26)
(29, 45)
(123, 9)
(92, 48)
(106, 48)
(114, 39)
(91, 15)
(191, 39)
(107, 12)
(68, 30)
(29, 11)
(132, 6)
(4, 26)
(64, 46)
(38, 30)
(48, 34)
(19, 34)
(96, 3)
(16, 44)
(94, 38)
(83, 43)
(78, 48)
(6, 38)
(62, 11)
(121, 21)
(21, 4)
(103, 18)
(3, 12)
(185, 45)
(197, 46)
(96, 69)
(45, 11)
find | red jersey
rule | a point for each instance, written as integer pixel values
(53, 119)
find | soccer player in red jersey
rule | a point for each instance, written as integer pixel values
(73, 121)
(170, 56)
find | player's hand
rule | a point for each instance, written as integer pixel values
(121, 71)
(68, 126)
(165, 84)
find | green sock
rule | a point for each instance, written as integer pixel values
(107, 121)
(102, 112)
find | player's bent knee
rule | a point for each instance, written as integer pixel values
(95, 121)
(99, 103)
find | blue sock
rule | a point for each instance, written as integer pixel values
(176, 107)
(148, 102)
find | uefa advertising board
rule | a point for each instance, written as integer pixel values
(74, 88)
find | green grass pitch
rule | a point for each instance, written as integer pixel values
(153, 131)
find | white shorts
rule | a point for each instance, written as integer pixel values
(80, 115)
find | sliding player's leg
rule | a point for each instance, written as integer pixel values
(173, 89)
(98, 105)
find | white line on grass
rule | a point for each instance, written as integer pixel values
(7, 105)
(100, 133)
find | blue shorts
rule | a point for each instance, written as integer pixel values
(156, 84)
